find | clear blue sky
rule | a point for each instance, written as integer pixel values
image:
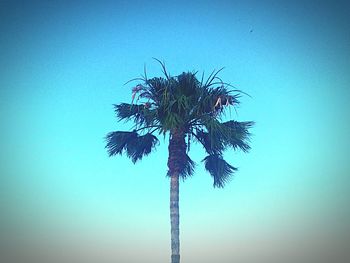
(63, 66)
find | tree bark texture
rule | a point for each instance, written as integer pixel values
(177, 153)
(174, 219)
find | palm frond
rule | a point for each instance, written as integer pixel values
(141, 146)
(187, 168)
(134, 145)
(211, 144)
(134, 79)
(202, 78)
(207, 81)
(211, 77)
(213, 101)
(213, 126)
(157, 87)
(187, 84)
(219, 169)
(145, 73)
(163, 68)
(238, 135)
(170, 120)
(141, 114)
(118, 141)
(219, 136)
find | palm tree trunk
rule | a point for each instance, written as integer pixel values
(177, 153)
(174, 219)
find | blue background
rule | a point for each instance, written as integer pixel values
(64, 64)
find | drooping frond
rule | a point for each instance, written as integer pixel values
(213, 126)
(219, 169)
(211, 144)
(118, 141)
(141, 146)
(187, 168)
(238, 135)
(213, 139)
(134, 145)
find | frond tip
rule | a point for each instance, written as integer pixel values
(134, 145)
(219, 169)
(140, 114)
(238, 135)
(188, 168)
(118, 141)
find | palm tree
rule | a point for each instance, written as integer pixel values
(188, 110)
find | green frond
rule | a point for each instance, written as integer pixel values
(188, 168)
(134, 79)
(211, 77)
(238, 135)
(141, 114)
(157, 87)
(205, 103)
(208, 79)
(144, 73)
(215, 129)
(134, 145)
(141, 146)
(212, 101)
(212, 125)
(118, 141)
(187, 84)
(170, 121)
(221, 135)
(125, 110)
(211, 144)
(166, 74)
(219, 169)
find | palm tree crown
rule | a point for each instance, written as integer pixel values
(187, 106)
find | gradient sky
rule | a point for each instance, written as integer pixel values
(62, 67)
